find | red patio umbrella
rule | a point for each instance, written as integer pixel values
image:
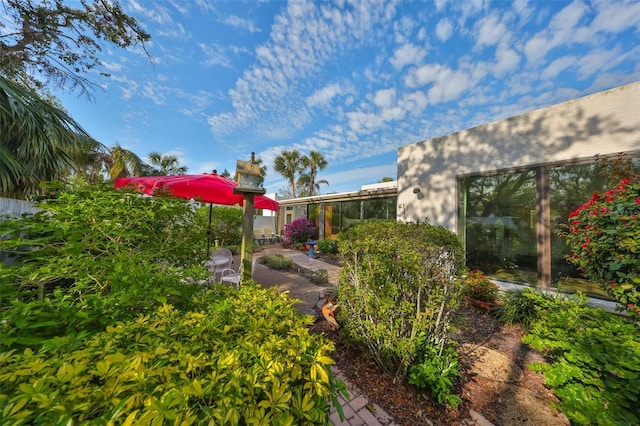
(207, 187)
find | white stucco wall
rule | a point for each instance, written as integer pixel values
(603, 123)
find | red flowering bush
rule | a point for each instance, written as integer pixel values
(604, 237)
(299, 231)
(476, 285)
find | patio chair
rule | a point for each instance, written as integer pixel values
(221, 259)
(230, 276)
(269, 235)
(258, 236)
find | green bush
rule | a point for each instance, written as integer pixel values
(320, 276)
(595, 361)
(436, 371)
(226, 224)
(277, 261)
(328, 246)
(244, 357)
(397, 289)
(524, 307)
(93, 256)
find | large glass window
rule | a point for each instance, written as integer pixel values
(569, 187)
(512, 223)
(350, 214)
(379, 208)
(499, 225)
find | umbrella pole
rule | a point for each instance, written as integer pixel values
(209, 229)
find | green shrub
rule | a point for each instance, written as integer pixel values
(595, 362)
(226, 224)
(93, 256)
(604, 237)
(320, 276)
(328, 246)
(524, 306)
(436, 372)
(397, 289)
(245, 357)
(277, 261)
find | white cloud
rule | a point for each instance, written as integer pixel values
(215, 55)
(447, 84)
(616, 16)
(507, 60)
(239, 23)
(491, 31)
(407, 54)
(562, 30)
(558, 66)
(304, 37)
(596, 62)
(323, 96)
(384, 98)
(444, 29)
(111, 66)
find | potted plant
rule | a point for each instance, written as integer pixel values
(479, 290)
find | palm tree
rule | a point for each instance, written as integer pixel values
(288, 164)
(37, 140)
(121, 162)
(168, 164)
(304, 186)
(314, 161)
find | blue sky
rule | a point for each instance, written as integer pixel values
(354, 80)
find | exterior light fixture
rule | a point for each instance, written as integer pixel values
(418, 193)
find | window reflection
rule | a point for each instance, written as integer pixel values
(501, 225)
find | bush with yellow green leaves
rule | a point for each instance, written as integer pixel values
(243, 357)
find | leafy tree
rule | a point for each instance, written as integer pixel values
(121, 162)
(314, 161)
(38, 141)
(305, 188)
(167, 164)
(288, 164)
(44, 44)
(88, 160)
(48, 43)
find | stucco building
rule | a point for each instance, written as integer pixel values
(507, 187)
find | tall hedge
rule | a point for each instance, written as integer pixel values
(397, 288)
